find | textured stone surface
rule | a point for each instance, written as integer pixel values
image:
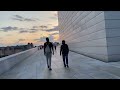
(92, 33)
(81, 67)
(8, 62)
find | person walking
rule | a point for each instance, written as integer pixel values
(64, 49)
(48, 50)
(55, 45)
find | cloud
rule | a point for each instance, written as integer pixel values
(40, 27)
(10, 28)
(50, 30)
(43, 26)
(55, 28)
(6, 29)
(32, 31)
(35, 27)
(54, 34)
(26, 19)
(23, 31)
(20, 18)
(21, 39)
(17, 16)
(29, 30)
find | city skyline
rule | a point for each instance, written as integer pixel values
(21, 27)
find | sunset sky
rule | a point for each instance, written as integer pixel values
(21, 27)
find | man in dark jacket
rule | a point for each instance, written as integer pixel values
(48, 49)
(64, 50)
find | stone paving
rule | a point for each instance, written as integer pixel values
(80, 67)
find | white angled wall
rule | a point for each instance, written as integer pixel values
(92, 33)
(84, 32)
(6, 63)
(112, 25)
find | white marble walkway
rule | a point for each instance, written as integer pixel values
(81, 67)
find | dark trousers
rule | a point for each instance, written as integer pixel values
(55, 47)
(65, 59)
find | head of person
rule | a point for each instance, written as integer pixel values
(47, 39)
(63, 41)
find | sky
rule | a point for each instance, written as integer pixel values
(21, 27)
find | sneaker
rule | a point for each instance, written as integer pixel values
(67, 66)
(50, 68)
